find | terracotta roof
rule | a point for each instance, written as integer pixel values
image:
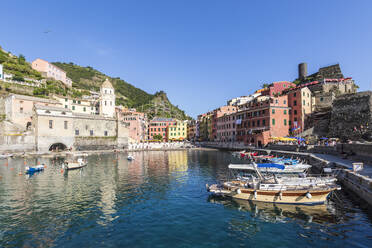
(107, 84)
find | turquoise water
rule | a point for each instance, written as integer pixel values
(159, 200)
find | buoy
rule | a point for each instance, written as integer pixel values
(308, 195)
(238, 191)
(24, 163)
(255, 194)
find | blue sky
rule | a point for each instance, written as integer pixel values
(201, 53)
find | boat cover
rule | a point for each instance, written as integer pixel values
(271, 165)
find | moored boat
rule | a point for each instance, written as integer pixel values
(286, 190)
(72, 165)
(37, 168)
(130, 157)
(272, 167)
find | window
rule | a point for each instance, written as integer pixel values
(303, 93)
(105, 133)
(285, 112)
(273, 121)
(73, 107)
(295, 119)
(321, 99)
(20, 110)
(295, 103)
(258, 123)
(263, 122)
(77, 132)
(308, 95)
(105, 103)
(285, 122)
(86, 127)
(74, 101)
(289, 122)
(66, 106)
(285, 102)
(284, 85)
(304, 102)
(91, 132)
(295, 112)
(79, 102)
(84, 109)
(276, 101)
(294, 94)
(110, 103)
(273, 111)
(50, 124)
(66, 100)
(66, 124)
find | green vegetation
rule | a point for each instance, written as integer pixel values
(158, 137)
(18, 66)
(89, 78)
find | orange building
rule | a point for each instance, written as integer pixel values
(159, 126)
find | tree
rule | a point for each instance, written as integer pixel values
(158, 137)
(18, 77)
(265, 85)
(21, 59)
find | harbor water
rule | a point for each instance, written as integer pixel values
(159, 200)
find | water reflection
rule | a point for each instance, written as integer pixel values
(158, 199)
(271, 212)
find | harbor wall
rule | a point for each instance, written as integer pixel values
(95, 143)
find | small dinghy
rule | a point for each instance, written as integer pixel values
(37, 168)
(130, 157)
(72, 165)
(6, 155)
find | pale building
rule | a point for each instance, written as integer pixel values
(51, 71)
(77, 105)
(107, 99)
(19, 109)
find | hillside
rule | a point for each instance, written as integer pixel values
(89, 78)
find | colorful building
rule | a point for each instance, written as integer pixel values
(226, 128)
(158, 126)
(191, 130)
(51, 71)
(177, 131)
(136, 122)
(261, 119)
(223, 110)
(277, 88)
(300, 101)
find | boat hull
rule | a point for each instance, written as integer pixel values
(286, 197)
(302, 197)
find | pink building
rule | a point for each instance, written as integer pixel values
(51, 71)
(218, 113)
(136, 122)
(277, 88)
(226, 128)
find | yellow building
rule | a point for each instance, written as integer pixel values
(177, 131)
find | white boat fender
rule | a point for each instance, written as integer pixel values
(238, 191)
(280, 195)
(255, 194)
(308, 195)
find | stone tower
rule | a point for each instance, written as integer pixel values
(107, 99)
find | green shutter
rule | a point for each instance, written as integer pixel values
(273, 121)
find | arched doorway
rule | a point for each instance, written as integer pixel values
(57, 147)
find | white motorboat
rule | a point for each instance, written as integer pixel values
(271, 167)
(6, 155)
(130, 157)
(71, 165)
